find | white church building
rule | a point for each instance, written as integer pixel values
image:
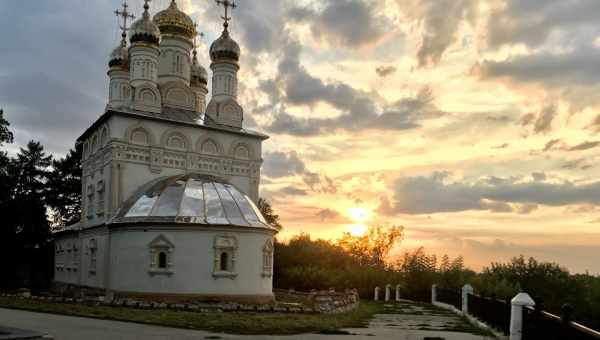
(170, 183)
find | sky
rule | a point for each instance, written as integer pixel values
(472, 123)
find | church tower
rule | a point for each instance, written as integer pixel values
(144, 53)
(199, 81)
(225, 55)
(119, 89)
(177, 33)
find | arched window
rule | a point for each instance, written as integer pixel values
(139, 136)
(161, 256)
(224, 262)
(162, 260)
(268, 259)
(225, 257)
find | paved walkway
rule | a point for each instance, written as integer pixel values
(407, 321)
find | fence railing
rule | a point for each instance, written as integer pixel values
(538, 324)
(493, 312)
(518, 319)
(450, 296)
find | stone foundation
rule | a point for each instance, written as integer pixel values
(326, 302)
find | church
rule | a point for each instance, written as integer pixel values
(170, 182)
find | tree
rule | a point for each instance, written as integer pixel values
(374, 246)
(64, 187)
(30, 172)
(267, 211)
(6, 135)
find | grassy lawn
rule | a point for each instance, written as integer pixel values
(233, 323)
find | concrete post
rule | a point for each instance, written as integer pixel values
(466, 290)
(376, 298)
(397, 292)
(388, 291)
(433, 293)
(516, 314)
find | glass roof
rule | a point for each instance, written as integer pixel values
(195, 199)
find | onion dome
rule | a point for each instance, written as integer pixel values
(225, 48)
(120, 55)
(172, 21)
(191, 199)
(199, 74)
(144, 30)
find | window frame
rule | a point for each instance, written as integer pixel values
(225, 244)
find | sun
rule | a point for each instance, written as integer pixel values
(358, 214)
(357, 229)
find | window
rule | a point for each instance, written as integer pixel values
(90, 205)
(225, 251)
(162, 260)
(268, 259)
(93, 250)
(224, 262)
(100, 205)
(161, 256)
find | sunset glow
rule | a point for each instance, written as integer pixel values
(474, 126)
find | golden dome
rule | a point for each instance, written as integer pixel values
(175, 22)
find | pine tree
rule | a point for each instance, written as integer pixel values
(267, 211)
(64, 188)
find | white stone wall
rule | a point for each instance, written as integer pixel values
(174, 62)
(192, 259)
(117, 162)
(72, 263)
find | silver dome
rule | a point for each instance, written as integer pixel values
(191, 199)
(145, 29)
(225, 48)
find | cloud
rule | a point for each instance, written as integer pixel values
(542, 122)
(282, 164)
(349, 23)
(328, 214)
(533, 22)
(293, 191)
(501, 146)
(285, 164)
(360, 111)
(384, 71)
(585, 146)
(550, 144)
(436, 194)
(441, 22)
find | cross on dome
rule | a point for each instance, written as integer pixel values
(197, 34)
(125, 15)
(226, 4)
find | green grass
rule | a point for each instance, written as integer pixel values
(232, 323)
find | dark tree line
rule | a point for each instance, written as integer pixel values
(37, 193)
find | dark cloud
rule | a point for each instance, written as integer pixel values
(542, 121)
(328, 214)
(350, 23)
(282, 164)
(578, 67)
(532, 22)
(436, 193)
(577, 164)
(539, 176)
(384, 71)
(585, 146)
(441, 19)
(550, 144)
(501, 146)
(360, 111)
(53, 81)
(293, 191)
